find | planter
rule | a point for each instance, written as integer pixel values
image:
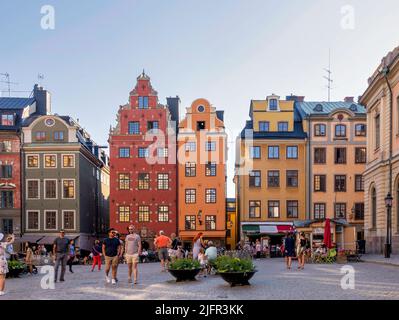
(237, 278)
(14, 273)
(342, 259)
(184, 275)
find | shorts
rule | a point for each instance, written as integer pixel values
(132, 258)
(111, 260)
(163, 254)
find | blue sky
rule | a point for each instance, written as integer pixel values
(227, 51)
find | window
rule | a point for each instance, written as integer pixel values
(7, 199)
(190, 146)
(319, 211)
(124, 152)
(359, 211)
(264, 126)
(124, 213)
(50, 189)
(33, 220)
(254, 152)
(340, 183)
(254, 209)
(273, 105)
(320, 183)
(33, 161)
(292, 178)
(340, 210)
(144, 214)
(360, 155)
(40, 136)
(190, 196)
(68, 189)
(210, 195)
(190, 222)
(359, 183)
(292, 209)
(163, 181)
(50, 161)
(320, 155)
(210, 169)
(68, 220)
(33, 189)
(153, 125)
(191, 169)
(210, 146)
(134, 127)
(274, 152)
(200, 125)
(8, 226)
(144, 181)
(282, 126)
(377, 131)
(6, 171)
(273, 178)
(124, 181)
(210, 222)
(163, 213)
(5, 146)
(68, 161)
(373, 208)
(7, 120)
(292, 152)
(143, 152)
(50, 220)
(58, 135)
(143, 102)
(340, 131)
(273, 208)
(340, 155)
(320, 130)
(162, 152)
(360, 130)
(255, 179)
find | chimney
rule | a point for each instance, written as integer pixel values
(173, 106)
(295, 98)
(349, 99)
(43, 100)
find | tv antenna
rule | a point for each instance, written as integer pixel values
(40, 78)
(8, 82)
(328, 77)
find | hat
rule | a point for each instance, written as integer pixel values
(1, 236)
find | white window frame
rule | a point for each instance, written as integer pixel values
(62, 160)
(45, 219)
(27, 190)
(56, 189)
(27, 220)
(278, 103)
(74, 219)
(38, 160)
(44, 160)
(62, 188)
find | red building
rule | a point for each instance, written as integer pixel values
(143, 163)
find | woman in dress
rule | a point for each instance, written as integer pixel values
(301, 249)
(289, 249)
(3, 262)
(29, 258)
(198, 243)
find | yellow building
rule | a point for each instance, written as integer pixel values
(231, 223)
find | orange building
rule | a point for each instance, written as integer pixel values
(202, 173)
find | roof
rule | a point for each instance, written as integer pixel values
(15, 103)
(325, 108)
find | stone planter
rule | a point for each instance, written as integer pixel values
(14, 273)
(342, 259)
(184, 275)
(237, 278)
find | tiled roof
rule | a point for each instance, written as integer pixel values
(15, 103)
(324, 108)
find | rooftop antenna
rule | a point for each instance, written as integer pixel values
(40, 78)
(328, 77)
(9, 83)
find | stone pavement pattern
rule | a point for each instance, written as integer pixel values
(272, 281)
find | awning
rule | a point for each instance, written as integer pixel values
(275, 229)
(29, 238)
(47, 240)
(250, 228)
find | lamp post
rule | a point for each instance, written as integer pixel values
(388, 205)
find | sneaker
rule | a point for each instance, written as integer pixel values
(62, 280)
(2, 293)
(107, 279)
(113, 281)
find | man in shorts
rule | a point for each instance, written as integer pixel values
(111, 252)
(132, 253)
(161, 244)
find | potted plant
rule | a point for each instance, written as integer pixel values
(15, 268)
(184, 269)
(234, 270)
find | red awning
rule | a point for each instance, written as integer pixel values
(284, 228)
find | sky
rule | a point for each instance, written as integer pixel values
(227, 51)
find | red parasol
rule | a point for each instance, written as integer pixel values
(327, 234)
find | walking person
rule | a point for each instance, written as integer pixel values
(29, 258)
(3, 261)
(72, 255)
(162, 243)
(301, 249)
(133, 251)
(258, 249)
(198, 243)
(96, 253)
(289, 249)
(60, 253)
(111, 250)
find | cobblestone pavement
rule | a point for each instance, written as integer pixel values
(272, 281)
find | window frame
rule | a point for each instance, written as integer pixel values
(74, 189)
(317, 130)
(68, 155)
(45, 219)
(63, 219)
(128, 180)
(287, 148)
(274, 177)
(45, 189)
(274, 147)
(27, 189)
(269, 202)
(189, 195)
(163, 182)
(341, 133)
(254, 207)
(287, 178)
(288, 205)
(27, 220)
(50, 155)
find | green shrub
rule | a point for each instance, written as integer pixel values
(232, 264)
(14, 265)
(184, 264)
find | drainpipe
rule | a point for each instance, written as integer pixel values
(309, 171)
(22, 179)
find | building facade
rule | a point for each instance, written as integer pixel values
(381, 176)
(143, 163)
(231, 223)
(202, 173)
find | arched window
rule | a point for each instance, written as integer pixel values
(373, 208)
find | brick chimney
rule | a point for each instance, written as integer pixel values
(349, 99)
(43, 100)
(295, 98)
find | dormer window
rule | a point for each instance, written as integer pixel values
(273, 104)
(7, 119)
(318, 108)
(143, 102)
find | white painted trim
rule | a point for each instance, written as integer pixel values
(27, 190)
(74, 220)
(56, 189)
(26, 160)
(44, 160)
(27, 220)
(56, 220)
(62, 189)
(62, 160)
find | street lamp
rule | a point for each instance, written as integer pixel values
(388, 205)
(199, 217)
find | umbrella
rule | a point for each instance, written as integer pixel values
(327, 234)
